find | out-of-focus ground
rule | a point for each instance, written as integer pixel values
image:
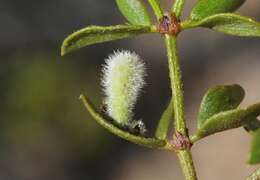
(45, 132)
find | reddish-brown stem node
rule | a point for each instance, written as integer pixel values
(180, 142)
(169, 24)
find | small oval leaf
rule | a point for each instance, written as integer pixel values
(205, 8)
(254, 157)
(231, 24)
(98, 34)
(134, 11)
(147, 142)
(227, 120)
(219, 99)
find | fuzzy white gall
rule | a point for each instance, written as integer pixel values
(122, 81)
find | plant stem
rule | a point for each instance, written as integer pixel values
(177, 7)
(185, 159)
(155, 4)
(176, 84)
(184, 156)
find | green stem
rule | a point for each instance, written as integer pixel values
(155, 4)
(177, 7)
(176, 84)
(184, 156)
(185, 159)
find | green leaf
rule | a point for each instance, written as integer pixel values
(164, 123)
(254, 157)
(98, 34)
(219, 99)
(205, 8)
(106, 123)
(227, 120)
(255, 175)
(134, 11)
(231, 24)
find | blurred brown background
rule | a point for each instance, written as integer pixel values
(45, 132)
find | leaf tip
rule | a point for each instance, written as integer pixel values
(63, 50)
